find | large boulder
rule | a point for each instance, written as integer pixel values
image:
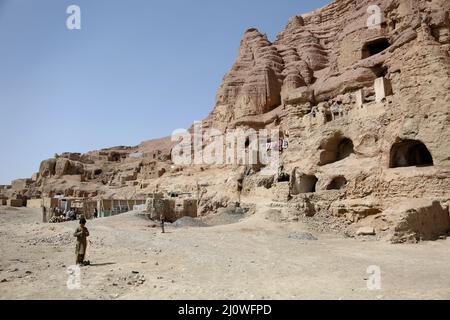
(419, 220)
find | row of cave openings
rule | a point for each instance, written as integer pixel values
(308, 184)
(404, 153)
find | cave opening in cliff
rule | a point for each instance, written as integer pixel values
(114, 157)
(336, 149)
(337, 183)
(305, 184)
(410, 153)
(345, 149)
(374, 47)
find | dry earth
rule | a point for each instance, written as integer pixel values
(251, 259)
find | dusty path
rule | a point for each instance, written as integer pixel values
(253, 259)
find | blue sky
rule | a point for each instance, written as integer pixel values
(137, 70)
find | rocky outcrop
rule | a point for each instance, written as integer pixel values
(253, 86)
(67, 167)
(47, 168)
(418, 220)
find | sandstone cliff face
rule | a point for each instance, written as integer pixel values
(321, 52)
(253, 86)
(366, 112)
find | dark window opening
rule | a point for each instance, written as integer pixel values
(410, 153)
(98, 172)
(247, 142)
(374, 47)
(337, 183)
(284, 177)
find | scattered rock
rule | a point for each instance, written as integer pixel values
(189, 222)
(366, 231)
(302, 236)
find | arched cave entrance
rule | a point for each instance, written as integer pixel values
(374, 47)
(336, 149)
(410, 153)
(337, 183)
(345, 149)
(304, 184)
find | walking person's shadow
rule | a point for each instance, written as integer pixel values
(102, 264)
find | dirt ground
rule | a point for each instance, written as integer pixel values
(252, 259)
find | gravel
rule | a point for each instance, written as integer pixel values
(304, 236)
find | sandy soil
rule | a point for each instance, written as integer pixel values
(252, 259)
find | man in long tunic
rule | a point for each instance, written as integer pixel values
(44, 214)
(161, 218)
(81, 233)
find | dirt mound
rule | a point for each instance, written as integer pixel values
(189, 222)
(227, 216)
